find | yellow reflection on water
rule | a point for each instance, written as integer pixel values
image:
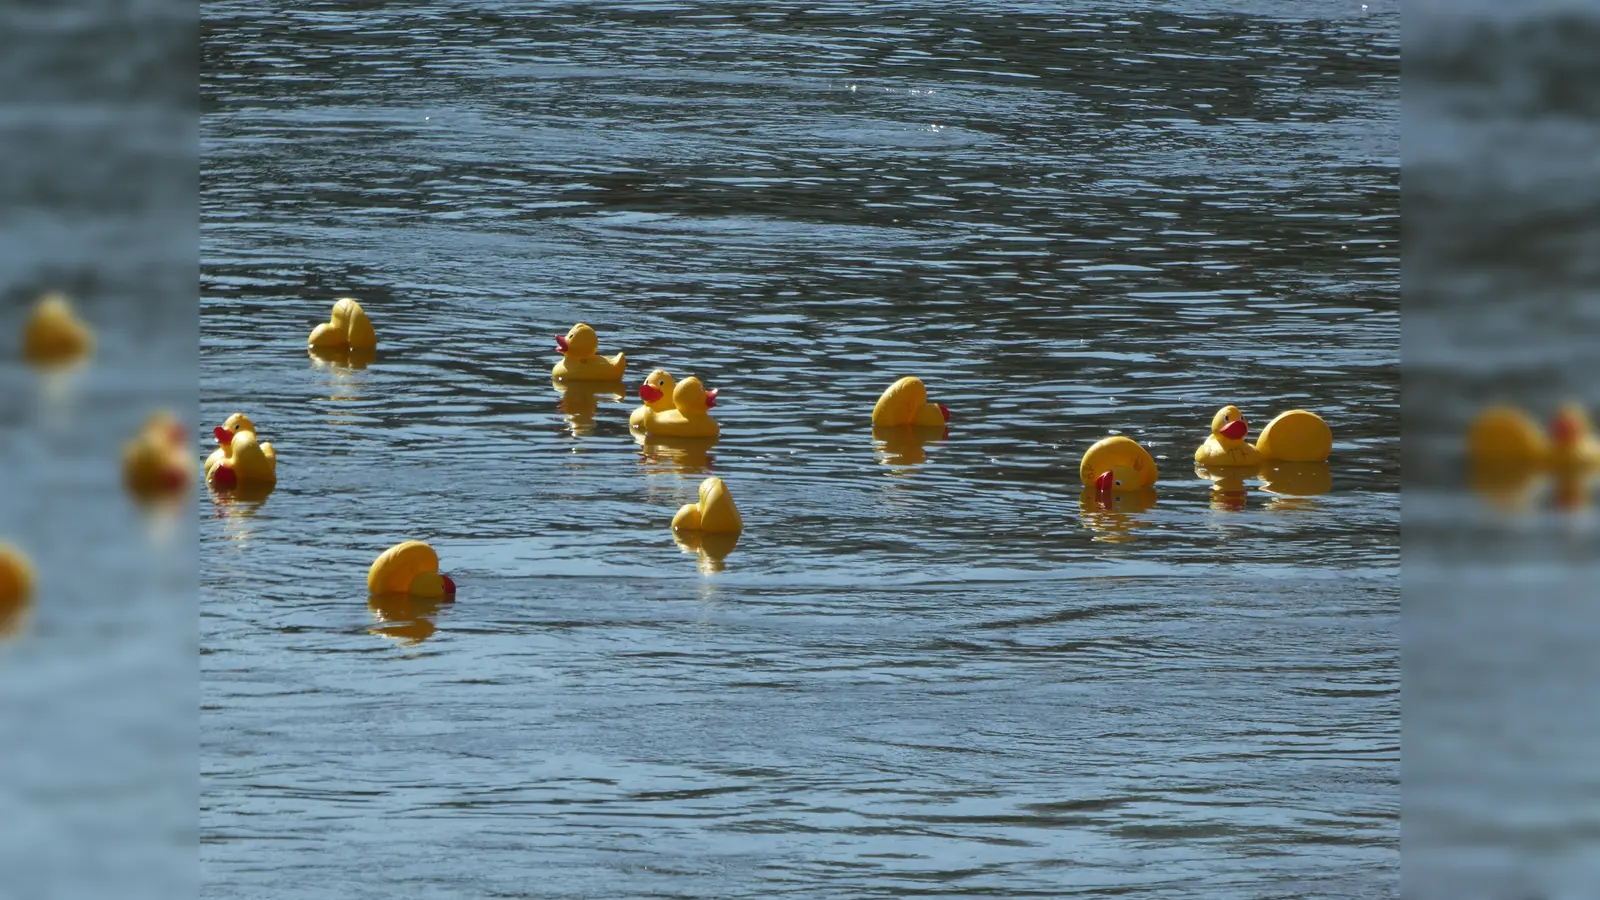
(1113, 516)
(1229, 493)
(688, 456)
(404, 618)
(710, 549)
(904, 446)
(337, 358)
(237, 507)
(580, 401)
(1295, 486)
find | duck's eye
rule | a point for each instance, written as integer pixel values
(1119, 483)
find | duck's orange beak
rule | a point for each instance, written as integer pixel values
(561, 343)
(1235, 430)
(649, 393)
(943, 411)
(1103, 483)
(449, 585)
(224, 477)
(224, 436)
(711, 397)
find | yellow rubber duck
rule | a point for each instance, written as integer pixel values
(239, 458)
(580, 348)
(906, 403)
(690, 416)
(1117, 464)
(410, 568)
(714, 514)
(1572, 441)
(656, 394)
(1505, 436)
(158, 460)
(54, 334)
(16, 588)
(349, 330)
(1294, 436)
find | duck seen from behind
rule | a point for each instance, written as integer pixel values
(54, 334)
(690, 415)
(714, 514)
(239, 458)
(580, 359)
(1294, 436)
(348, 331)
(409, 568)
(906, 403)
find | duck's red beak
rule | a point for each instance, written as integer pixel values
(561, 343)
(224, 477)
(1103, 483)
(1563, 430)
(1235, 430)
(649, 393)
(711, 397)
(943, 411)
(224, 436)
(449, 585)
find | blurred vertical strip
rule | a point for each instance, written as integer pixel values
(99, 680)
(1500, 278)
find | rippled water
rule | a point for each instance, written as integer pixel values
(923, 670)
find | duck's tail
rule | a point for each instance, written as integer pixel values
(688, 518)
(618, 363)
(268, 452)
(1296, 436)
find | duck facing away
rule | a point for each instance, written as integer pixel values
(348, 330)
(409, 568)
(714, 514)
(906, 403)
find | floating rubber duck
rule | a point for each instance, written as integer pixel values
(1117, 464)
(158, 460)
(906, 403)
(656, 396)
(349, 330)
(1572, 441)
(54, 334)
(1294, 436)
(239, 458)
(1505, 436)
(16, 588)
(690, 414)
(410, 568)
(714, 514)
(580, 349)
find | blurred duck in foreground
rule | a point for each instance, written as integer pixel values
(158, 460)
(1504, 437)
(54, 334)
(16, 588)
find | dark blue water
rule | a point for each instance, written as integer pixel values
(922, 671)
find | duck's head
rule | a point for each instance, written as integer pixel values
(657, 390)
(166, 428)
(1228, 425)
(1118, 479)
(579, 342)
(690, 396)
(1570, 425)
(233, 425)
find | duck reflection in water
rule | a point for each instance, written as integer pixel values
(1569, 491)
(405, 618)
(712, 548)
(580, 400)
(902, 445)
(1229, 493)
(1113, 514)
(1295, 485)
(1507, 489)
(238, 505)
(341, 358)
(688, 456)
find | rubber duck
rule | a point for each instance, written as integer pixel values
(410, 568)
(1505, 436)
(158, 459)
(1117, 464)
(239, 458)
(580, 348)
(714, 514)
(16, 588)
(656, 392)
(906, 403)
(1294, 436)
(54, 334)
(349, 329)
(690, 416)
(1572, 441)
